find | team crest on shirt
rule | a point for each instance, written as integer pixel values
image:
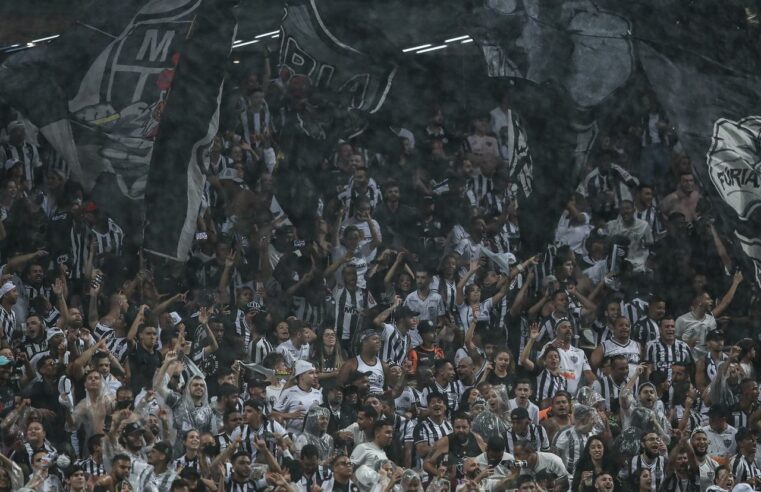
(728, 442)
(574, 359)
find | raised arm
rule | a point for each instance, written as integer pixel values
(76, 369)
(459, 296)
(379, 320)
(388, 280)
(525, 359)
(730, 294)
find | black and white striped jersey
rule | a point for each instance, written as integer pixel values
(535, 434)
(259, 349)
(569, 445)
(653, 217)
(27, 153)
(430, 432)
(657, 470)
(350, 304)
(109, 242)
(663, 355)
(7, 323)
(547, 385)
(184, 462)
(395, 345)
(744, 469)
(451, 391)
(91, 468)
(645, 330)
(608, 389)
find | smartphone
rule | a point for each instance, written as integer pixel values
(201, 236)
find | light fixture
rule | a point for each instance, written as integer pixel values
(246, 43)
(405, 50)
(266, 34)
(467, 41)
(47, 38)
(434, 48)
(236, 61)
(458, 38)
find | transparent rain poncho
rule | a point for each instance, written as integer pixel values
(495, 419)
(315, 425)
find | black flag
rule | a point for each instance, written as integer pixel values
(187, 128)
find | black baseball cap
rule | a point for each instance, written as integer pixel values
(132, 428)
(715, 335)
(519, 413)
(164, 448)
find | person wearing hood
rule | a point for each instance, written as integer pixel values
(495, 420)
(298, 396)
(569, 443)
(315, 432)
(191, 409)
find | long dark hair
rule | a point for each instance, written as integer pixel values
(585, 462)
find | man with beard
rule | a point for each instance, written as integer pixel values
(683, 474)
(159, 474)
(457, 446)
(496, 458)
(720, 435)
(341, 415)
(650, 458)
(604, 482)
(34, 341)
(706, 465)
(743, 464)
(647, 398)
(559, 416)
(120, 472)
(610, 386)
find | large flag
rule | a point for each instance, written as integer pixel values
(187, 128)
(700, 58)
(98, 91)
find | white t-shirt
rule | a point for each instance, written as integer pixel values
(295, 399)
(367, 453)
(547, 462)
(533, 410)
(430, 308)
(688, 326)
(573, 363)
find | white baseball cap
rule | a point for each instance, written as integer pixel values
(7, 287)
(301, 367)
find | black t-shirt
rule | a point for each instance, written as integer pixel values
(143, 366)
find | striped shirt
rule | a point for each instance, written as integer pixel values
(91, 468)
(739, 417)
(535, 434)
(634, 309)
(79, 248)
(312, 314)
(27, 153)
(645, 330)
(608, 389)
(33, 348)
(663, 355)
(652, 216)
(31, 292)
(249, 436)
(184, 462)
(247, 486)
(477, 187)
(712, 368)
(429, 432)
(569, 445)
(744, 469)
(241, 327)
(321, 475)
(259, 349)
(657, 470)
(547, 385)
(7, 323)
(109, 242)
(350, 307)
(447, 289)
(395, 345)
(451, 391)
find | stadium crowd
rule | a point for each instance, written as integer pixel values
(402, 338)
